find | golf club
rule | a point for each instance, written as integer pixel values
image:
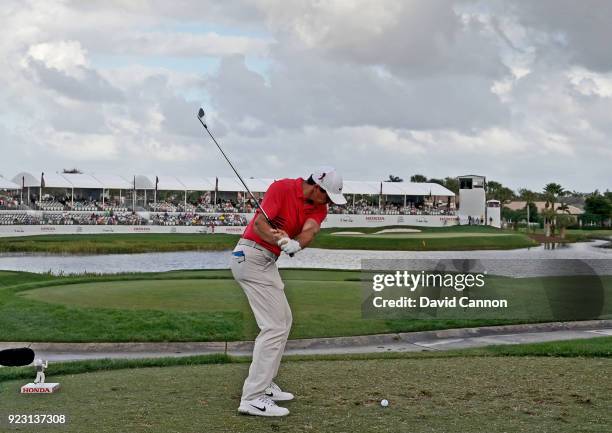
(202, 118)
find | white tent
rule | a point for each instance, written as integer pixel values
(414, 188)
(258, 185)
(81, 181)
(55, 180)
(52, 180)
(8, 185)
(111, 181)
(229, 184)
(196, 183)
(27, 179)
(361, 187)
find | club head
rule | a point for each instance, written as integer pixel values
(202, 117)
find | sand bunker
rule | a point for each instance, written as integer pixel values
(398, 231)
(347, 233)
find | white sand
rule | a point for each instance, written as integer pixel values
(347, 233)
(398, 231)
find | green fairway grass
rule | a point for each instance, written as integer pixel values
(114, 243)
(197, 306)
(458, 394)
(437, 238)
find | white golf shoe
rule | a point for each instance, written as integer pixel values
(262, 406)
(277, 394)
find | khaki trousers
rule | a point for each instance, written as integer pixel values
(257, 274)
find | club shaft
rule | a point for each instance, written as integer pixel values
(237, 174)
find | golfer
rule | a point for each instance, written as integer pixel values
(296, 207)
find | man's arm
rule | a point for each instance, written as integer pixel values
(308, 233)
(266, 232)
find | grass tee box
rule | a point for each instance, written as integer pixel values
(449, 238)
(463, 394)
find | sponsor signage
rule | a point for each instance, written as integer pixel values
(40, 388)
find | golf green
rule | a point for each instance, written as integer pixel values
(210, 306)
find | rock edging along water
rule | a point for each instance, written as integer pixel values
(337, 343)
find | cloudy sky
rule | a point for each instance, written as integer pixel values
(517, 90)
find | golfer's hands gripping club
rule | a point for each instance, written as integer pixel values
(289, 246)
(278, 234)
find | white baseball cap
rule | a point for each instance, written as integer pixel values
(331, 181)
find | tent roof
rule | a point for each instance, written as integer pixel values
(196, 183)
(55, 180)
(360, 187)
(28, 179)
(78, 180)
(112, 181)
(228, 184)
(415, 188)
(258, 185)
(166, 183)
(8, 185)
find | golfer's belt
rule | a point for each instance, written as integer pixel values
(253, 244)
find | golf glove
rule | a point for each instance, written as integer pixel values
(289, 246)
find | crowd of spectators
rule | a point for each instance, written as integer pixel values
(226, 212)
(8, 202)
(120, 218)
(18, 218)
(228, 206)
(112, 207)
(191, 219)
(391, 209)
(162, 207)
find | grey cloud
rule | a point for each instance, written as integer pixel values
(427, 38)
(227, 12)
(428, 69)
(336, 95)
(585, 26)
(91, 87)
(88, 120)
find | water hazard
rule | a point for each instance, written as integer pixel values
(309, 258)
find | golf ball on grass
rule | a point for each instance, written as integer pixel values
(384, 402)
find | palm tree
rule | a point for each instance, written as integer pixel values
(529, 197)
(418, 178)
(563, 220)
(393, 178)
(552, 191)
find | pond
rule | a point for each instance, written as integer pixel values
(309, 258)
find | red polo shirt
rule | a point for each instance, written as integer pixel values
(285, 205)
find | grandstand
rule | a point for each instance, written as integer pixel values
(90, 199)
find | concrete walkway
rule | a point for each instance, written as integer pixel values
(402, 342)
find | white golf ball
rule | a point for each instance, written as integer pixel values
(384, 402)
